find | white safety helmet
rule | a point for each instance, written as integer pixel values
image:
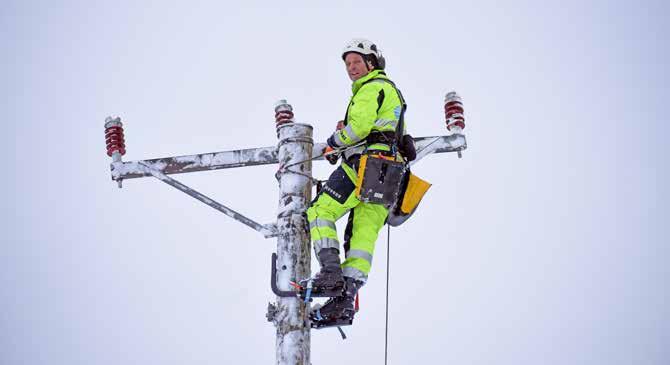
(367, 49)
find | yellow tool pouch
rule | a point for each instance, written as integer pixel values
(379, 179)
(412, 191)
(416, 189)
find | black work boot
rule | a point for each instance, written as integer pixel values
(329, 281)
(338, 311)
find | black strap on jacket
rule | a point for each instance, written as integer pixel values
(381, 137)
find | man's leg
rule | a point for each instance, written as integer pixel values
(363, 228)
(336, 198)
(365, 222)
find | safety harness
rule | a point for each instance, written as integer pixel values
(391, 138)
(385, 179)
(380, 173)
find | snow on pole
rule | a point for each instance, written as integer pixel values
(201, 162)
(247, 157)
(293, 251)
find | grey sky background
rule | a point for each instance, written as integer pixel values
(546, 243)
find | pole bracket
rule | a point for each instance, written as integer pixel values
(273, 281)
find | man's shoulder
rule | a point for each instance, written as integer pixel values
(369, 86)
(373, 85)
(380, 81)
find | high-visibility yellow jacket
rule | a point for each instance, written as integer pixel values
(374, 106)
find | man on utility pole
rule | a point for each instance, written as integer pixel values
(373, 183)
(373, 127)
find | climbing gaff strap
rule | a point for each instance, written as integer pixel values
(379, 179)
(308, 292)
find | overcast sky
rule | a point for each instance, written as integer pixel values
(546, 243)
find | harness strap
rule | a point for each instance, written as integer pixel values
(400, 129)
(381, 137)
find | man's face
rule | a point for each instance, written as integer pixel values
(356, 67)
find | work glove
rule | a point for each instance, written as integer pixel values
(330, 155)
(333, 157)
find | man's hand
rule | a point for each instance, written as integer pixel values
(328, 152)
(330, 155)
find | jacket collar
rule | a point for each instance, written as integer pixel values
(371, 75)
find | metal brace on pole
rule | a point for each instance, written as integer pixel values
(268, 230)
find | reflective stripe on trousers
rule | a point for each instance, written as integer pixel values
(322, 243)
(319, 222)
(354, 273)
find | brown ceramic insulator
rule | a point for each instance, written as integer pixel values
(115, 141)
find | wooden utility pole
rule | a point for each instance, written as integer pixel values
(293, 243)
